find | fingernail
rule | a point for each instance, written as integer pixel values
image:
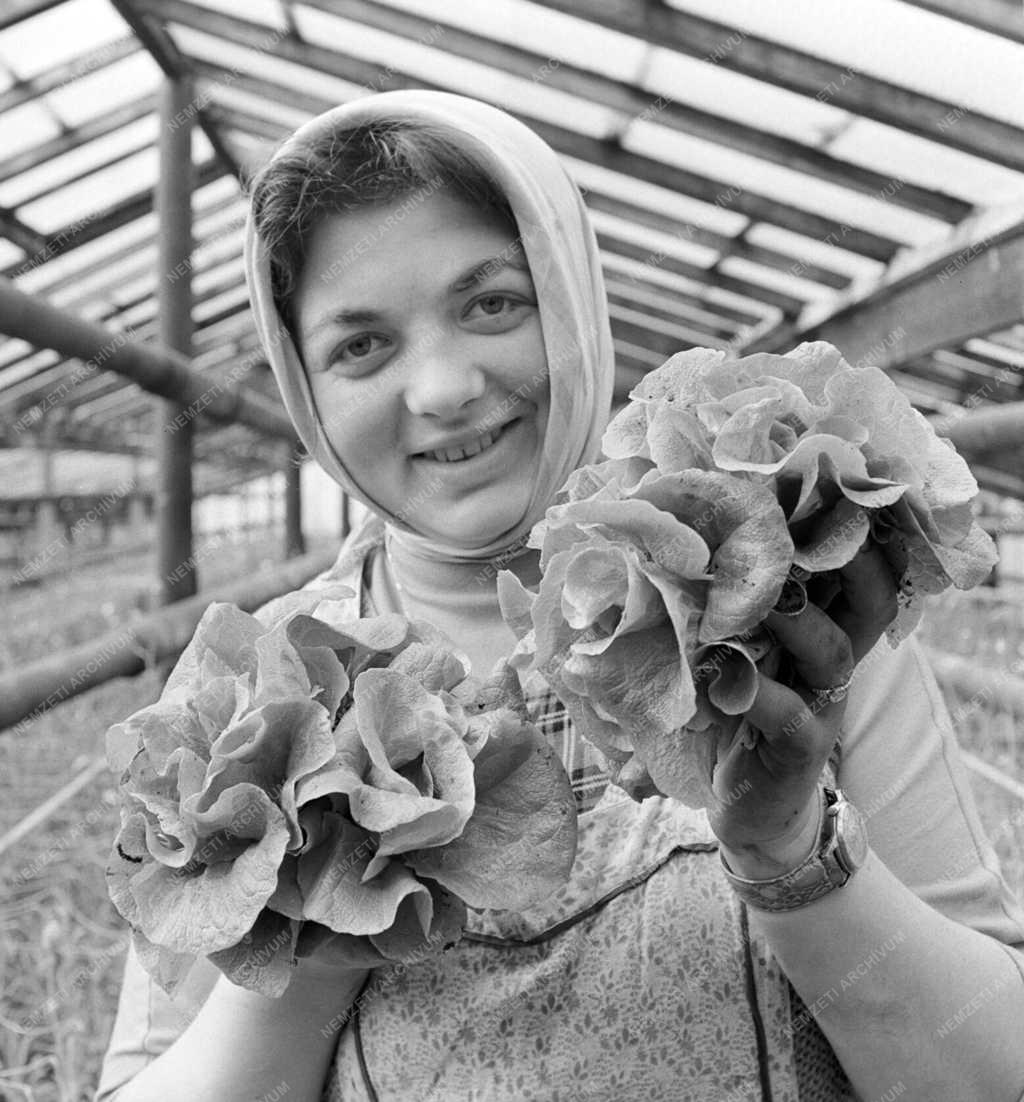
(792, 600)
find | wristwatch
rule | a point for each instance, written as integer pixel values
(842, 849)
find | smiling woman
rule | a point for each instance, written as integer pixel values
(428, 289)
(403, 281)
(437, 331)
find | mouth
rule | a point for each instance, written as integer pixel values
(466, 452)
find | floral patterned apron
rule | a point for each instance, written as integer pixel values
(638, 980)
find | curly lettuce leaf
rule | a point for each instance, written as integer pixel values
(520, 842)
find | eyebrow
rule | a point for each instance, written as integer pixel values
(491, 266)
(477, 274)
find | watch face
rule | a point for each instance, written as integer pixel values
(851, 837)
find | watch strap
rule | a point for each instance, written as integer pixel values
(821, 872)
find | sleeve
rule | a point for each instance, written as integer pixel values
(149, 1021)
(901, 767)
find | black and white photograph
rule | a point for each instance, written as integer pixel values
(511, 550)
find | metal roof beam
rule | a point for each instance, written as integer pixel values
(937, 297)
(924, 398)
(691, 234)
(698, 300)
(977, 367)
(666, 309)
(163, 51)
(87, 132)
(995, 16)
(235, 118)
(97, 290)
(16, 11)
(610, 155)
(1012, 362)
(36, 389)
(945, 385)
(633, 100)
(19, 234)
(788, 304)
(998, 482)
(756, 207)
(982, 432)
(99, 57)
(595, 197)
(819, 78)
(664, 338)
(83, 174)
(102, 222)
(156, 369)
(76, 437)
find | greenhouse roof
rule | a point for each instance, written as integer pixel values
(757, 174)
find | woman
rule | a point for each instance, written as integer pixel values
(429, 293)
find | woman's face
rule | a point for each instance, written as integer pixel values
(419, 329)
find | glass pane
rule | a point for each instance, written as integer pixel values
(657, 198)
(24, 127)
(55, 171)
(773, 278)
(263, 107)
(76, 205)
(756, 103)
(9, 253)
(249, 62)
(547, 33)
(672, 282)
(783, 184)
(659, 243)
(434, 66)
(814, 251)
(89, 256)
(102, 91)
(895, 41)
(60, 34)
(267, 12)
(907, 157)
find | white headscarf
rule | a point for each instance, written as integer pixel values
(561, 249)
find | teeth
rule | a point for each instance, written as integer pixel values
(453, 455)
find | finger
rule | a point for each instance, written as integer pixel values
(801, 736)
(867, 604)
(821, 650)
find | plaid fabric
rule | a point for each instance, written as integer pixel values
(584, 764)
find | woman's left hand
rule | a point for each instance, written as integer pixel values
(768, 819)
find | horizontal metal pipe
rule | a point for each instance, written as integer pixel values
(157, 370)
(30, 690)
(984, 430)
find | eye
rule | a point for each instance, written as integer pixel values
(498, 311)
(356, 349)
(493, 304)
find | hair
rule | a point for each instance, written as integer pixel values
(367, 165)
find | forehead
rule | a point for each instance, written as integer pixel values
(432, 233)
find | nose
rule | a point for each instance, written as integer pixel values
(441, 375)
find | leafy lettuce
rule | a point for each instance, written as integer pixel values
(346, 789)
(725, 483)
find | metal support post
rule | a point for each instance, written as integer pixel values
(294, 541)
(175, 561)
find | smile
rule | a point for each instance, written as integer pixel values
(467, 451)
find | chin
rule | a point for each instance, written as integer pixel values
(476, 532)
